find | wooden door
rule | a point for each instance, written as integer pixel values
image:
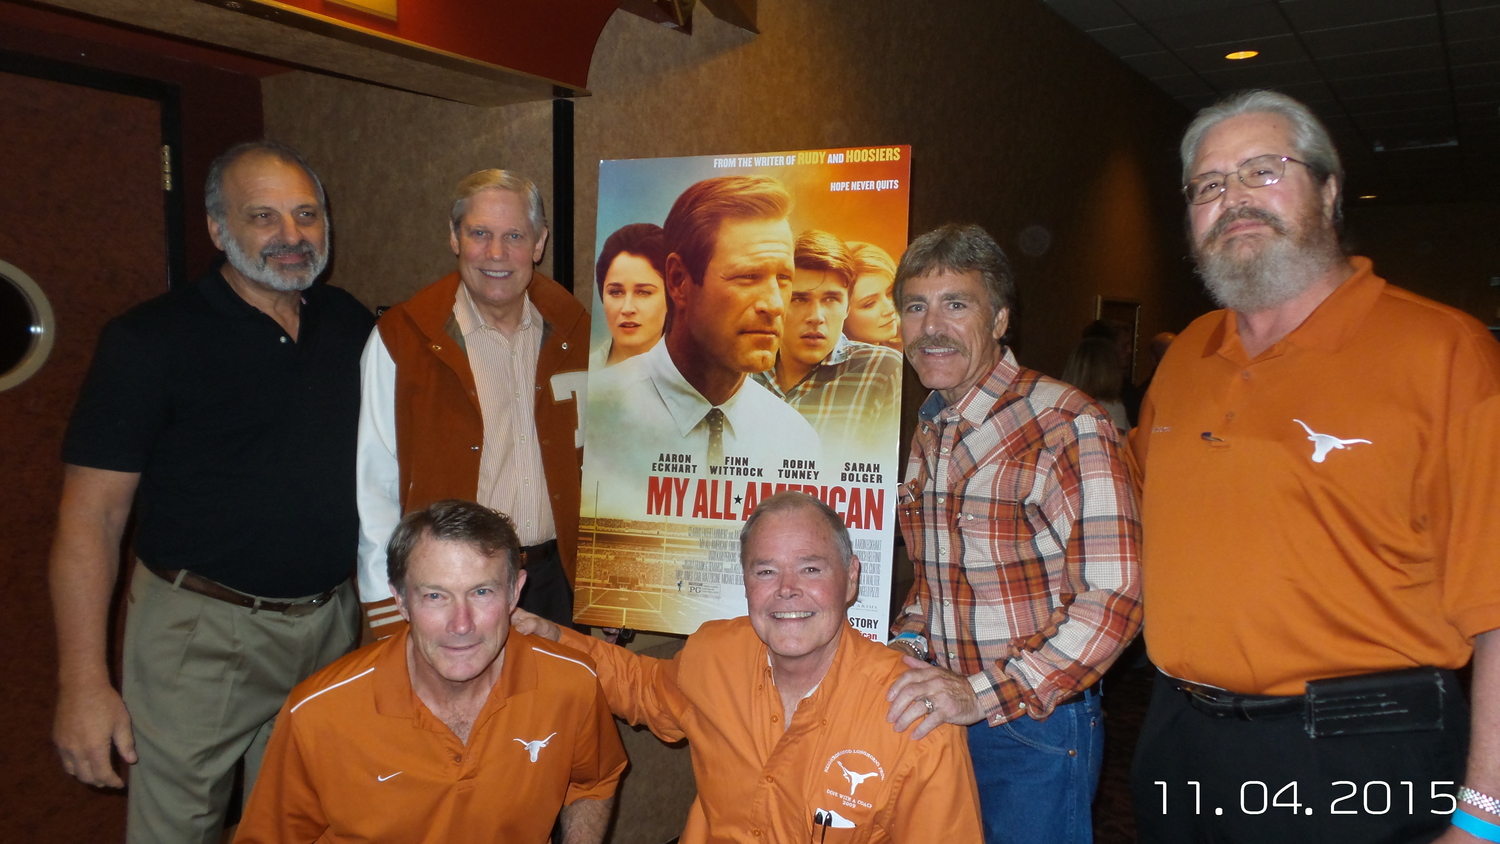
(81, 213)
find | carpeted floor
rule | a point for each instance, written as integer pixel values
(1127, 690)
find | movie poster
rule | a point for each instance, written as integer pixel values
(745, 341)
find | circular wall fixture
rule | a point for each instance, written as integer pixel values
(26, 326)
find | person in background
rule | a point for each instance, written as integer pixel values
(873, 317)
(1123, 338)
(1094, 368)
(629, 276)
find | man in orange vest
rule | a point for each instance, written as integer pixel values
(473, 389)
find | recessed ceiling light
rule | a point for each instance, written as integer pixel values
(1242, 54)
(1368, 196)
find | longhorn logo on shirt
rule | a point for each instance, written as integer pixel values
(535, 747)
(855, 780)
(1324, 443)
(854, 777)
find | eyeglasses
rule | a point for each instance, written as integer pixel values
(1258, 172)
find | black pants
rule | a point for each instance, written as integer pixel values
(547, 592)
(1385, 781)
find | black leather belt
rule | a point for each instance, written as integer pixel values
(538, 551)
(219, 592)
(1225, 704)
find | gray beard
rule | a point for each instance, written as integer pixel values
(260, 271)
(1280, 271)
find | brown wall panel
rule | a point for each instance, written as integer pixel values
(389, 160)
(80, 214)
(1448, 252)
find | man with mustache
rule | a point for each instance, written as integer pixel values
(849, 392)
(473, 389)
(1020, 519)
(729, 276)
(227, 411)
(1320, 461)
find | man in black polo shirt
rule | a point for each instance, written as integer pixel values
(227, 411)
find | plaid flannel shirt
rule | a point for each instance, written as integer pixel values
(851, 398)
(1019, 514)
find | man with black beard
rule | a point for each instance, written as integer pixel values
(227, 412)
(1319, 461)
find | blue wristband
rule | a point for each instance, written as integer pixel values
(1476, 827)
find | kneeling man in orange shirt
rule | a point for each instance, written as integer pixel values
(784, 711)
(458, 728)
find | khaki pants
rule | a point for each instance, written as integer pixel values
(203, 681)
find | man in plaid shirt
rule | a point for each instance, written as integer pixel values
(1019, 514)
(850, 392)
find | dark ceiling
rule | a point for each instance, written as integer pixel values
(1410, 89)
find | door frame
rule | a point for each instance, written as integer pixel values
(167, 95)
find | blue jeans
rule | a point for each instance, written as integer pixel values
(1037, 778)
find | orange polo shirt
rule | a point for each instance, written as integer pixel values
(356, 756)
(1331, 507)
(759, 780)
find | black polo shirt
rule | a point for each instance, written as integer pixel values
(244, 438)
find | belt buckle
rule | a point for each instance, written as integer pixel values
(1209, 700)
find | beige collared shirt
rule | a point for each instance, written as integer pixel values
(511, 479)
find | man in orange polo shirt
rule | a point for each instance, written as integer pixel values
(1320, 465)
(456, 728)
(784, 711)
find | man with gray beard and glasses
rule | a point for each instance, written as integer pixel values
(1321, 472)
(226, 412)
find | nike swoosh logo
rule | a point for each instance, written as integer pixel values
(388, 776)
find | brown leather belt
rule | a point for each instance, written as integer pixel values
(219, 592)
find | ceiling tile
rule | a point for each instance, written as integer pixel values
(1473, 22)
(1391, 35)
(1469, 75)
(1154, 10)
(1184, 86)
(1153, 65)
(1464, 95)
(1264, 76)
(1340, 127)
(1474, 51)
(1369, 86)
(1126, 40)
(1315, 94)
(1432, 114)
(1089, 14)
(1396, 100)
(1228, 26)
(1325, 14)
(1384, 61)
(1409, 135)
(1274, 50)
(1478, 112)
(1195, 103)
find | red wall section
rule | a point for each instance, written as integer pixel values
(553, 39)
